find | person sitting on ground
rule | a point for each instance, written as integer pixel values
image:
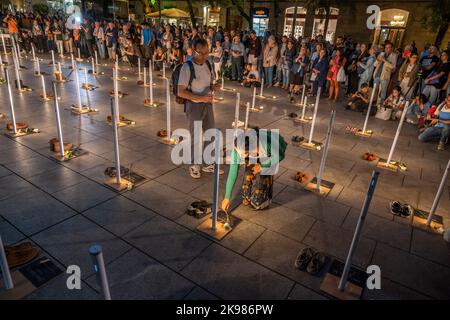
(159, 58)
(417, 111)
(439, 126)
(128, 52)
(252, 78)
(257, 186)
(359, 101)
(396, 102)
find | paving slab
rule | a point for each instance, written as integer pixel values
(430, 246)
(56, 179)
(10, 235)
(302, 293)
(200, 294)
(167, 242)
(231, 276)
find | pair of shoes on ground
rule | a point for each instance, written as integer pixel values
(311, 260)
(20, 254)
(300, 177)
(19, 126)
(195, 173)
(297, 139)
(199, 209)
(368, 156)
(401, 210)
(292, 115)
(351, 129)
(441, 146)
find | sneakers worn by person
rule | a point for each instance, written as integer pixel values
(194, 171)
(441, 146)
(210, 169)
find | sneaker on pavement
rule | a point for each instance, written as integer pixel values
(441, 146)
(210, 169)
(194, 171)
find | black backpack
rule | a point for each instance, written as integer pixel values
(176, 76)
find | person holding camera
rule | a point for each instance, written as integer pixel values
(438, 125)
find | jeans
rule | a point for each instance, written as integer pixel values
(236, 67)
(431, 93)
(285, 77)
(384, 84)
(101, 49)
(268, 75)
(204, 113)
(432, 133)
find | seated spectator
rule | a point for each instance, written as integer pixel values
(439, 125)
(396, 102)
(129, 53)
(359, 101)
(252, 78)
(437, 79)
(159, 58)
(417, 111)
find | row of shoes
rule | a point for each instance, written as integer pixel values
(310, 260)
(199, 209)
(19, 126)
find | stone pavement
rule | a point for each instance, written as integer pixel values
(151, 247)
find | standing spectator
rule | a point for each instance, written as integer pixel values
(217, 55)
(254, 48)
(384, 67)
(270, 60)
(366, 67)
(147, 41)
(280, 62)
(336, 63)
(38, 36)
(353, 69)
(288, 62)
(237, 59)
(99, 36)
(198, 96)
(167, 40)
(88, 39)
(111, 36)
(298, 71)
(428, 61)
(408, 75)
(58, 33)
(49, 35)
(13, 27)
(436, 80)
(319, 72)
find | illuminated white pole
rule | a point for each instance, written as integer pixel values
(215, 205)
(58, 123)
(53, 57)
(116, 93)
(223, 83)
(164, 69)
(32, 52)
(16, 68)
(44, 92)
(86, 78)
(303, 94)
(99, 267)
(79, 54)
(1, 60)
(3, 42)
(145, 76)
(72, 61)
(325, 150)
(151, 85)
(96, 57)
(11, 102)
(38, 67)
(60, 72)
(369, 107)
(438, 194)
(61, 49)
(93, 66)
(247, 110)
(77, 79)
(305, 101)
(139, 67)
(236, 113)
(397, 134)
(115, 119)
(6, 275)
(316, 106)
(168, 109)
(262, 87)
(254, 97)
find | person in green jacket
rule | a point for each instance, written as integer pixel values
(261, 164)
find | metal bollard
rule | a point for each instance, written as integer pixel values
(99, 268)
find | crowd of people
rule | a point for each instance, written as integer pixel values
(346, 71)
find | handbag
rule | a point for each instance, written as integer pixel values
(341, 76)
(383, 113)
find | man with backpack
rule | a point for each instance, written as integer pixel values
(194, 86)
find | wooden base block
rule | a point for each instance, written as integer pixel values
(227, 89)
(84, 110)
(68, 157)
(382, 164)
(325, 187)
(304, 120)
(365, 134)
(112, 183)
(314, 145)
(265, 97)
(420, 221)
(330, 285)
(170, 141)
(19, 133)
(25, 90)
(221, 231)
(22, 287)
(256, 109)
(155, 104)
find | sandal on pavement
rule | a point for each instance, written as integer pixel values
(316, 264)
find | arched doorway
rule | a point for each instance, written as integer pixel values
(300, 20)
(392, 26)
(319, 23)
